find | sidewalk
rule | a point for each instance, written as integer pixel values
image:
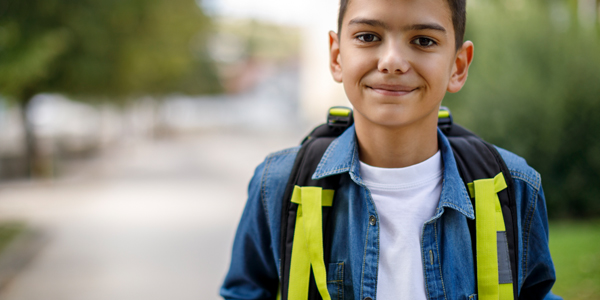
(149, 220)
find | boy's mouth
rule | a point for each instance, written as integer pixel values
(391, 89)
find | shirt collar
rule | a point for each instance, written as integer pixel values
(342, 156)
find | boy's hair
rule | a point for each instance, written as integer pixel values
(459, 18)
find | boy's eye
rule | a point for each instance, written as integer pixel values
(368, 38)
(424, 42)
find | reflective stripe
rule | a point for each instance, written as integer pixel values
(307, 250)
(504, 272)
(489, 223)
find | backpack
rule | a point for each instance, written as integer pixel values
(307, 204)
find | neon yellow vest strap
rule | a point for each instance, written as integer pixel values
(307, 250)
(489, 222)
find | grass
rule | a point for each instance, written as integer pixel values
(8, 232)
(575, 248)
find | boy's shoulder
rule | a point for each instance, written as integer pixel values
(282, 161)
(519, 169)
(291, 151)
(268, 185)
(275, 170)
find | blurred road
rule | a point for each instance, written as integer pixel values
(145, 220)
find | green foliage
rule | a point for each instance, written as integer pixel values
(8, 232)
(533, 89)
(107, 48)
(263, 40)
(574, 247)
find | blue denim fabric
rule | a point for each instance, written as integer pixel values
(352, 271)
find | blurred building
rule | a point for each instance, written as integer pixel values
(318, 90)
(312, 20)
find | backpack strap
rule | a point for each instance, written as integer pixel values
(494, 280)
(307, 250)
(494, 232)
(294, 210)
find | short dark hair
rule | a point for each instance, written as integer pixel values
(459, 18)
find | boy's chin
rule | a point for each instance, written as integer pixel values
(391, 117)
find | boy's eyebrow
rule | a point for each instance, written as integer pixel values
(370, 22)
(377, 23)
(425, 26)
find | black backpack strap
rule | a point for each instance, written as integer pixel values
(477, 159)
(307, 160)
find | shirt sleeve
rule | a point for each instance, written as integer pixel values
(253, 271)
(539, 273)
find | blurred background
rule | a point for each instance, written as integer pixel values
(129, 130)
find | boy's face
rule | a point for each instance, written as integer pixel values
(397, 58)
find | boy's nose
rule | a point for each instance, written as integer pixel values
(393, 61)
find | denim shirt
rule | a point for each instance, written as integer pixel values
(447, 256)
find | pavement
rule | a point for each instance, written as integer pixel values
(145, 219)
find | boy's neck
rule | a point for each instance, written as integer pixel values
(399, 147)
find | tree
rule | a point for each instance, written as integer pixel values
(533, 89)
(102, 49)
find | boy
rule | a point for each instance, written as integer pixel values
(401, 208)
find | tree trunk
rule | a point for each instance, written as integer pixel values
(37, 165)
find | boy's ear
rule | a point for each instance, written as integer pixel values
(460, 68)
(334, 56)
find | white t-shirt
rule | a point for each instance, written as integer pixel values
(405, 199)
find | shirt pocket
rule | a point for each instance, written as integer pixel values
(335, 280)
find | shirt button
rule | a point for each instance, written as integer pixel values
(368, 298)
(372, 221)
